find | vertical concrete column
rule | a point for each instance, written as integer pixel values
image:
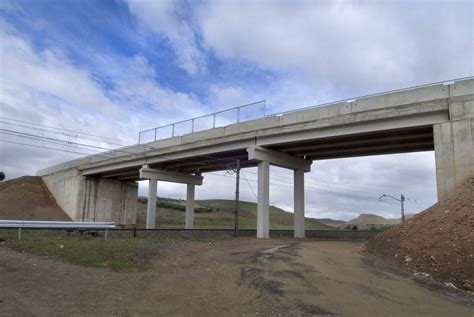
(189, 220)
(151, 207)
(454, 154)
(298, 224)
(263, 206)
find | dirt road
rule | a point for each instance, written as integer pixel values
(244, 276)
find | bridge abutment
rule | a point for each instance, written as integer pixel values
(454, 154)
(94, 198)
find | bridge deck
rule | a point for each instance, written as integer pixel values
(396, 122)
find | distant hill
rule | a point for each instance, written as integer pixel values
(371, 221)
(218, 214)
(332, 222)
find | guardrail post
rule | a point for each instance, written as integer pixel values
(106, 232)
(172, 130)
(19, 233)
(213, 120)
(192, 126)
(155, 135)
(238, 114)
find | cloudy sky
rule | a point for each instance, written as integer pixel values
(71, 71)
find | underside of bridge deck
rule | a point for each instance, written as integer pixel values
(374, 143)
(364, 144)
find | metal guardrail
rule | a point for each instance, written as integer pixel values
(194, 125)
(24, 224)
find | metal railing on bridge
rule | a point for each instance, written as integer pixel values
(251, 111)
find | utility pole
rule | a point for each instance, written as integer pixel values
(401, 200)
(402, 207)
(237, 193)
(235, 169)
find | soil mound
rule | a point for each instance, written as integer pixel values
(28, 198)
(439, 241)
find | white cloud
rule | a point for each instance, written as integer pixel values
(351, 47)
(135, 86)
(50, 72)
(166, 17)
(46, 87)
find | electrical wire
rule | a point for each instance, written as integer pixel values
(72, 131)
(243, 175)
(46, 139)
(348, 188)
(43, 147)
(287, 185)
(78, 135)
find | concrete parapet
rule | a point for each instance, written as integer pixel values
(401, 98)
(94, 199)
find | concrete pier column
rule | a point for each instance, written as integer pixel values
(298, 225)
(151, 207)
(263, 206)
(189, 221)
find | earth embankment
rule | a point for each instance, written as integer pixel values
(28, 198)
(439, 242)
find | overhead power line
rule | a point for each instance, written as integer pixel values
(250, 186)
(346, 187)
(66, 130)
(67, 134)
(43, 147)
(288, 185)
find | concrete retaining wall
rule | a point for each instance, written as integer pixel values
(94, 199)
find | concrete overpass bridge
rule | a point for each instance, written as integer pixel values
(437, 117)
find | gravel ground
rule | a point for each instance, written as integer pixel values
(243, 276)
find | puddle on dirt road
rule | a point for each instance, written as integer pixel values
(331, 278)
